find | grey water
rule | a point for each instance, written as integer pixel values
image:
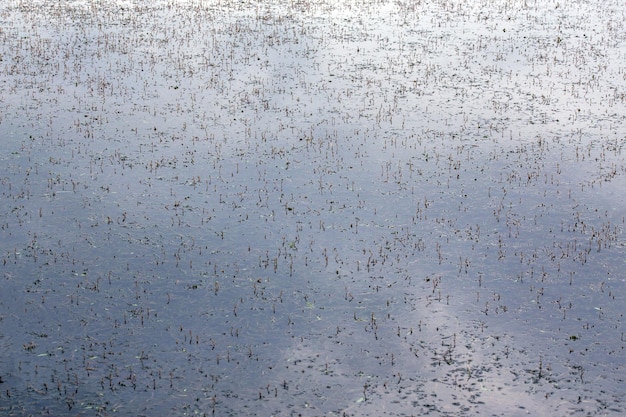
(312, 208)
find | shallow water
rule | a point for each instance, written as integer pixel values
(312, 208)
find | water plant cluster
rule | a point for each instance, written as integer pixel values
(312, 208)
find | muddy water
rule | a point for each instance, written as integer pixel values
(312, 208)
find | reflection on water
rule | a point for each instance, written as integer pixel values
(311, 208)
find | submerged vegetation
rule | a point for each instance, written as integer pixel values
(312, 208)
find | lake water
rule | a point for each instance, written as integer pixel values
(312, 208)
